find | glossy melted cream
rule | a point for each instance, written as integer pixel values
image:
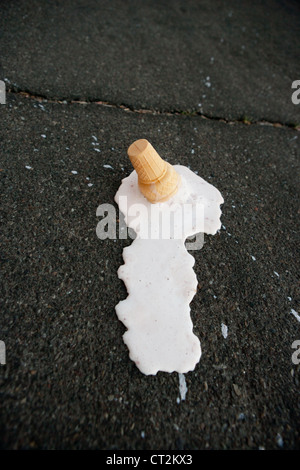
(158, 272)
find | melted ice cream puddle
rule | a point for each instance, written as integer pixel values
(158, 273)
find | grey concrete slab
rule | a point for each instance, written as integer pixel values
(235, 60)
(68, 381)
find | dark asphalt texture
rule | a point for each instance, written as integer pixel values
(233, 59)
(68, 382)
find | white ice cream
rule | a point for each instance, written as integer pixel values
(158, 272)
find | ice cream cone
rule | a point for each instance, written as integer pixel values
(157, 179)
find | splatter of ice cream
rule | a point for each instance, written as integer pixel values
(158, 273)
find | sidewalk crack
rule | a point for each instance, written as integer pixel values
(128, 108)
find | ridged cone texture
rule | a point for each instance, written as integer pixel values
(146, 161)
(157, 179)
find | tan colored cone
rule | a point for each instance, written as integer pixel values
(157, 179)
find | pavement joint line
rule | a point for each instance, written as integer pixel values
(128, 108)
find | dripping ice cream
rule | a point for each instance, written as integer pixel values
(164, 205)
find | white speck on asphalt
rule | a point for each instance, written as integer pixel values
(28, 167)
(182, 387)
(74, 172)
(279, 440)
(224, 329)
(107, 166)
(296, 314)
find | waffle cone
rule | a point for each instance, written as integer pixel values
(157, 179)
